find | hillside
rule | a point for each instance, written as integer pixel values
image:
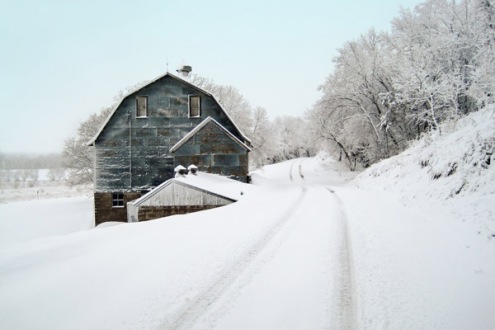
(454, 170)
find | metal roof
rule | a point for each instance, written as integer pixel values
(93, 140)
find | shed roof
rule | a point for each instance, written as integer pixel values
(93, 140)
(210, 183)
(201, 126)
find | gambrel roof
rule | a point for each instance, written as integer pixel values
(198, 128)
(117, 105)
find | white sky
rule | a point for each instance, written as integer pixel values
(62, 60)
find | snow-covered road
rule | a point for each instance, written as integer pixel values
(301, 250)
(297, 276)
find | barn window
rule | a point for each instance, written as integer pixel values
(194, 106)
(118, 199)
(141, 106)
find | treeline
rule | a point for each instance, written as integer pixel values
(435, 65)
(273, 140)
(20, 161)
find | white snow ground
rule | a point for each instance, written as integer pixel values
(23, 221)
(309, 250)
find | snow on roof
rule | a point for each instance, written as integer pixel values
(212, 183)
(199, 127)
(116, 106)
(179, 168)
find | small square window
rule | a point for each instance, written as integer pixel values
(141, 106)
(194, 106)
(118, 199)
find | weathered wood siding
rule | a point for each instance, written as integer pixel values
(133, 152)
(174, 198)
(176, 194)
(155, 212)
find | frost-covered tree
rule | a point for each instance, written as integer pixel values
(263, 138)
(253, 122)
(351, 113)
(436, 45)
(483, 74)
(437, 64)
(292, 139)
(56, 174)
(78, 156)
(448, 48)
(328, 132)
(231, 100)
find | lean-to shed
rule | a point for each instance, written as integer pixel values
(186, 194)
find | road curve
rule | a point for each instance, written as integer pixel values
(297, 276)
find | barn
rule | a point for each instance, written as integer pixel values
(165, 123)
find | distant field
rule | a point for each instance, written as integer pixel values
(21, 185)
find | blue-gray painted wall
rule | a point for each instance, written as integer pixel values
(133, 154)
(221, 155)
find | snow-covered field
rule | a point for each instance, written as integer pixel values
(21, 185)
(22, 221)
(307, 248)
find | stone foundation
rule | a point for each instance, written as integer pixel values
(104, 211)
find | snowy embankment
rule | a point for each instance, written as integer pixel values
(303, 249)
(455, 169)
(424, 237)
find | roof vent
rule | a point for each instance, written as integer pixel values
(180, 171)
(184, 70)
(193, 169)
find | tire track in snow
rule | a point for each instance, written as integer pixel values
(300, 173)
(345, 306)
(191, 313)
(300, 170)
(346, 301)
(322, 235)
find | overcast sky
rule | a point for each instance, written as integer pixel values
(62, 60)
